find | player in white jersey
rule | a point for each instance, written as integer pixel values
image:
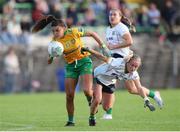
(108, 73)
(119, 40)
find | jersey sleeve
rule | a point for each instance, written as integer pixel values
(123, 29)
(134, 76)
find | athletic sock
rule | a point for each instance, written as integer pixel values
(151, 94)
(109, 111)
(70, 118)
(92, 116)
(89, 98)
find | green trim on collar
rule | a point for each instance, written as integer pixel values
(67, 31)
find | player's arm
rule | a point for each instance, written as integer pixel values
(103, 46)
(96, 54)
(95, 36)
(127, 42)
(84, 33)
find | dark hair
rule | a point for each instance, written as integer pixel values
(45, 20)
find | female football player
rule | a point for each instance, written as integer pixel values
(119, 40)
(78, 65)
(107, 74)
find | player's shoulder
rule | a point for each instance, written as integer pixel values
(77, 29)
(121, 26)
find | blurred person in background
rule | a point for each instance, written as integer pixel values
(7, 37)
(72, 15)
(25, 36)
(168, 12)
(119, 40)
(90, 19)
(154, 17)
(55, 10)
(98, 7)
(40, 8)
(11, 70)
(78, 65)
(142, 18)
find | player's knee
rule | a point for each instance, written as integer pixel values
(97, 101)
(69, 98)
(88, 92)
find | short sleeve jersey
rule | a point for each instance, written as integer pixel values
(72, 44)
(114, 36)
(108, 73)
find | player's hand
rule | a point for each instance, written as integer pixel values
(105, 51)
(84, 49)
(50, 60)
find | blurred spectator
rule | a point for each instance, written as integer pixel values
(12, 70)
(24, 37)
(6, 37)
(82, 6)
(169, 12)
(2, 2)
(90, 19)
(13, 27)
(99, 9)
(55, 10)
(113, 4)
(40, 8)
(72, 15)
(142, 18)
(8, 8)
(153, 16)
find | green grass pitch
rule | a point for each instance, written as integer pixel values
(46, 111)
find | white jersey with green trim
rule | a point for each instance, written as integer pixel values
(108, 73)
(114, 37)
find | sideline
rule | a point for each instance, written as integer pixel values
(16, 126)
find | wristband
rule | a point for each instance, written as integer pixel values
(103, 46)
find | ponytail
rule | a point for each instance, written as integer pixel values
(42, 23)
(128, 23)
(47, 20)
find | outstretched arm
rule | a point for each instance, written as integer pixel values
(96, 54)
(96, 37)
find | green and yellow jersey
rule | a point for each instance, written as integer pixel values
(72, 44)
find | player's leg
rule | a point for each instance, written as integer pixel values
(85, 68)
(108, 100)
(97, 97)
(70, 85)
(71, 80)
(87, 84)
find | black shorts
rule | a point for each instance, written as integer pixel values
(106, 89)
(116, 55)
